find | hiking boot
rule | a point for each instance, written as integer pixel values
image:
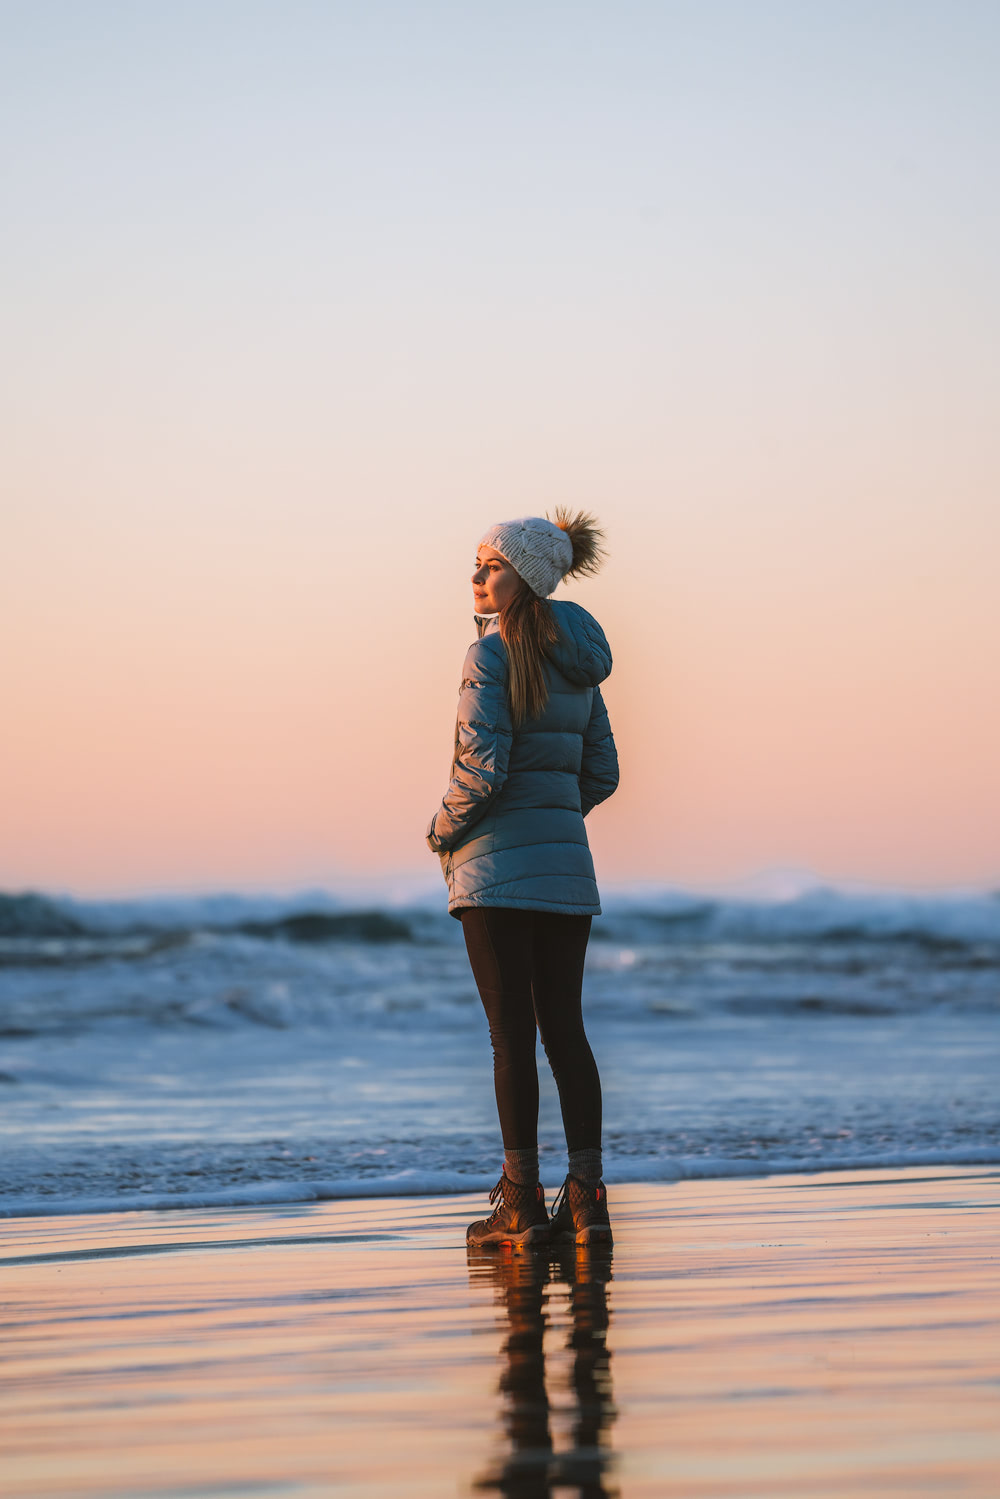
(518, 1221)
(580, 1213)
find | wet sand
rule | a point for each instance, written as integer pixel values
(798, 1336)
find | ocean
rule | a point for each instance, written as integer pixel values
(239, 1050)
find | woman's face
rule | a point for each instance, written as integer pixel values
(494, 582)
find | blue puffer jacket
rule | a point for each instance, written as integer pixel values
(510, 828)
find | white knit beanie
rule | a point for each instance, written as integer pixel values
(539, 551)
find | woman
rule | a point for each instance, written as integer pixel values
(533, 755)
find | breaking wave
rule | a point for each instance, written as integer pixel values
(85, 929)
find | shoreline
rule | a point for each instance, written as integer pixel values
(434, 1184)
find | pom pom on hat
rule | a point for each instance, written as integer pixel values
(586, 538)
(543, 552)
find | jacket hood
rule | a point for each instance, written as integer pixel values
(582, 652)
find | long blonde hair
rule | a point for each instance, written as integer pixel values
(528, 631)
(527, 627)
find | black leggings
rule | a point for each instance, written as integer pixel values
(528, 967)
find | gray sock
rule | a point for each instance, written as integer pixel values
(521, 1166)
(585, 1165)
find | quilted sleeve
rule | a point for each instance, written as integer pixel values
(482, 747)
(599, 770)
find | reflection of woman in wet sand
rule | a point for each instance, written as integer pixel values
(534, 1466)
(533, 754)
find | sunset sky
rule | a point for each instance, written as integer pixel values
(299, 297)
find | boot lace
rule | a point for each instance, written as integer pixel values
(497, 1193)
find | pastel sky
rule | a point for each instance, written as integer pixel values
(298, 298)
